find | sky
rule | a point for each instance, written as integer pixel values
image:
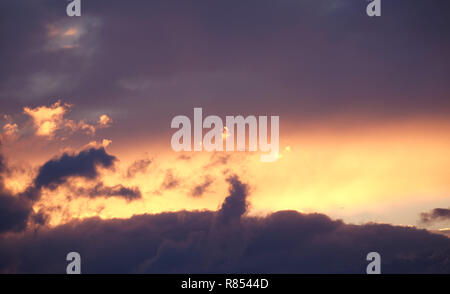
(86, 162)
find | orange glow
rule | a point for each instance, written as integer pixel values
(387, 173)
(71, 32)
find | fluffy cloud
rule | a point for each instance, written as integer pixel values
(83, 164)
(16, 210)
(104, 121)
(94, 144)
(235, 204)
(48, 120)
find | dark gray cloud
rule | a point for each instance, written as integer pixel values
(40, 218)
(195, 242)
(84, 164)
(2, 166)
(235, 204)
(436, 215)
(16, 210)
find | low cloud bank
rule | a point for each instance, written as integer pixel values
(224, 241)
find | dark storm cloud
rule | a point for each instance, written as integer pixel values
(2, 166)
(40, 218)
(100, 190)
(235, 204)
(436, 215)
(195, 242)
(300, 59)
(15, 210)
(3, 169)
(83, 164)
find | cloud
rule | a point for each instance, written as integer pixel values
(137, 167)
(78, 38)
(104, 121)
(14, 209)
(99, 190)
(217, 159)
(48, 120)
(10, 129)
(14, 212)
(62, 37)
(80, 126)
(442, 231)
(84, 164)
(235, 204)
(170, 182)
(436, 215)
(199, 190)
(42, 84)
(196, 242)
(2, 168)
(157, 59)
(94, 144)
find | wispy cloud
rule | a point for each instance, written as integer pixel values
(436, 215)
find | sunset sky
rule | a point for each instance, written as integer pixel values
(86, 105)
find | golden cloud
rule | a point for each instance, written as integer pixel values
(47, 119)
(104, 121)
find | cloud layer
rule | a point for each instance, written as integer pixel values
(313, 63)
(224, 241)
